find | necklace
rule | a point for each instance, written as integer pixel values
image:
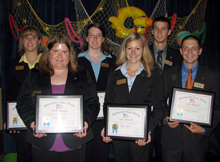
(133, 72)
(59, 75)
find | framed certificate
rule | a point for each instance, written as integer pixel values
(14, 122)
(101, 95)
(59, 113)
(192, 106)
(129, 122)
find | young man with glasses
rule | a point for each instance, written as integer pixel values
(182, 142)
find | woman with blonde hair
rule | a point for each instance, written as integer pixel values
(30, 49)
(58, 73)
(135, 81)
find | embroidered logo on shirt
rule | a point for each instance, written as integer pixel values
(199, 85)
(170, 63)
(36, 92)
(121, 81)
(105, 64)
(19, 67)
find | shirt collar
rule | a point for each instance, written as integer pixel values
(24, 59)
(194, 68)
(156, 49)
(124, 70)
(86, 55)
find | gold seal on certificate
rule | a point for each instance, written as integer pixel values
(192, 106)
(46, 121)
(180, 112)
(128, 122)
(115, 126)
(14, 121)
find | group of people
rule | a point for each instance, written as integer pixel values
(140, 74)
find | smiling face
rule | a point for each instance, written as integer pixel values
(59, 56)
(160, 32)
(94, 38)
(30, 41)
(190, 51)
(134, 51)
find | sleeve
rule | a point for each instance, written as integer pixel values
(12, 87)
(91, 101)
(159, 105)
(25, 105)
(109, 95)
(166, 92)
(216, 111)
(11, 90)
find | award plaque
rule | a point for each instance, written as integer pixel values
(129, 122)
(101, 96)
(14, 122)
(192, 106)
(59, 113)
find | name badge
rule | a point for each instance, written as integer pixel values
(36, 92)
(121, 81)
(199, 85)
(19, 67)
(105, 64)
(170, 63)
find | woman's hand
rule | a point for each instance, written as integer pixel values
(84, 133)
(142, 142)
(38, 135)
(14, 131)
(105, 139)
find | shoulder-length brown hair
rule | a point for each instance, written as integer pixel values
(147, 58)
(105, 47)
(40, 46)
(45, 65)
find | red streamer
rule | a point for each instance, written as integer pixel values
(173, 21)
(12, 24)
(67, 22)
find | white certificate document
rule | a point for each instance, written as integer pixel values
(127, 122)
(101, 96)
(59, 114)
(191, 106)
(14, 122)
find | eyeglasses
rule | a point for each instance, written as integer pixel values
(193, 49)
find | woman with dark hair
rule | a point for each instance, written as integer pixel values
(58, 73)
(135, 81)
(30, 48)
(97, 59)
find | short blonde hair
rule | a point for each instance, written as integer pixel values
(147, 58)
(45, 65)
(40, 46)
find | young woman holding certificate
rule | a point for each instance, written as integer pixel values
(96, 58)
(58, 73)
(30, 48)
(135, 81)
